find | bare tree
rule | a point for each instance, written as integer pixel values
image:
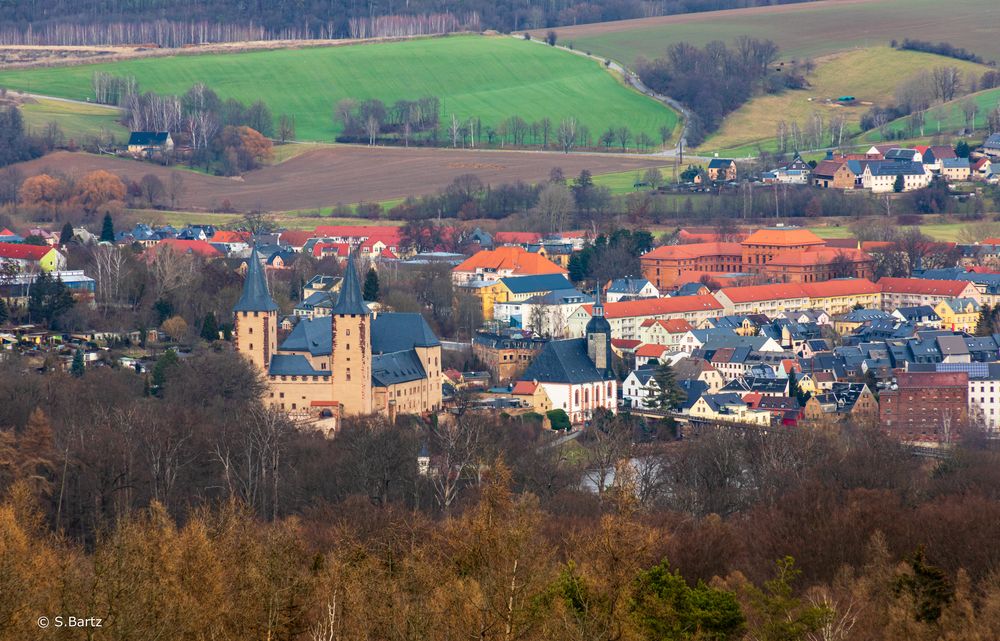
(171, 271)
(947, 82)
(109, 260)
(455, 449)
(567, 133)
(175, 188)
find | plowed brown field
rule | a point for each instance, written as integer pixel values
(344, 174)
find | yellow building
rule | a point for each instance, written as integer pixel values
(353, 362)
(515, 289)
(958, 314)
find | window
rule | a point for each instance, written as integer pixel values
(348, 373)
(250, 331)
(348, 332)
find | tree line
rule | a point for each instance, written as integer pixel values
(716, 79)
(165, 23)
(16, 144)
(183, 507)
(419, 122)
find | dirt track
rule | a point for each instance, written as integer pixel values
(344, 174)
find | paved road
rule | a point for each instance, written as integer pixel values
(68, 100)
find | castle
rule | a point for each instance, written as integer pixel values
(350, 363)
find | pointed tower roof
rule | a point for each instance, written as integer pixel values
(255, 297)
(350, 300)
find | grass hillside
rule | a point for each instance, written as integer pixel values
(490, 78)
(948, 117)
(75, 120)
(846, 73)
(802, 30)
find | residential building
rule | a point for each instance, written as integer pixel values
(32, 257)
(722, 170)
(880, 175)
(959, 314)
(503, 262)
(629, 288)
(955, 169)
(728, 408)
(146, 143)
(626, 317)
(912, 292)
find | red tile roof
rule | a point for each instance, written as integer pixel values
(779, 291)
(923, 286)
(840, 287)
(17, 251)
(785, 236)
(672, 325)
(695, 250)
(524, 388)
(754, 293)
(517, 237)
(817, 256)
(923, 380)
(625, 343)
(223, 236)
(199, 247)
(357, 231)
(658, 306)
(513, 258)
(651, 350)
(295, 237)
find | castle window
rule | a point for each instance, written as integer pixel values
(251, 346)
(256, 314)
(348, 373)
(348, 332)
(250, 330)
(282, 395)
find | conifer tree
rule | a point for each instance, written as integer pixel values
(371, 285)
(108, 229)
(77, 368)
(669, 394)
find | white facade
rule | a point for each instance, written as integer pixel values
(984, 402)
(580, 400)
(880, 184)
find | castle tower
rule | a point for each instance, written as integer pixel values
(255, 317)
(598, 333)
(351, 349)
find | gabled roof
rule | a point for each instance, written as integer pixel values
(564, 362)
(255, 296)
(755, 293)
(513, 258)
(695, 250)
(148, 138)
(627, 285)
(896, 168)
(720, 163)
(17, 251)
(783, 236)
(923, 286)
(671, 325)
(658, 306)
(200, 247)
(538, 283)
(517, 237)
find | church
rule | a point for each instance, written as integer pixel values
(576, 374)
(350, 363)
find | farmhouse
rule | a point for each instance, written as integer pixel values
(722, 169)
(149, 142)
(880, 175)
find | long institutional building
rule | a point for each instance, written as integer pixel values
(776, 254)
(352, 362)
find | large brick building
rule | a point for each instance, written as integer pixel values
(777, 254)
(926, 407)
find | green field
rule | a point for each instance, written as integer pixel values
(76, 121)
(845, 73)
(937, 231)
(490, 78)
(802, 30)
(949, 117)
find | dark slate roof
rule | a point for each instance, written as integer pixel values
(720, 163)
(396, 332)
(896, 168)
(293, 365)
(313, 335)
(688, 289)
(627, 285)
(397, 367)
(539, 283)
(693, 390)
(350, 301)
(561, 297)
(917, 313)
(255, 297)
(148, 138)
(564, 361)
(992, 141)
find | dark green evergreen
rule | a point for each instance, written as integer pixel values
(108, 229)
(370, 292)
(210, 328)
(77, 368)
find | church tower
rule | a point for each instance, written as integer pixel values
(351, 350)
(255, 322)
(598, 333)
